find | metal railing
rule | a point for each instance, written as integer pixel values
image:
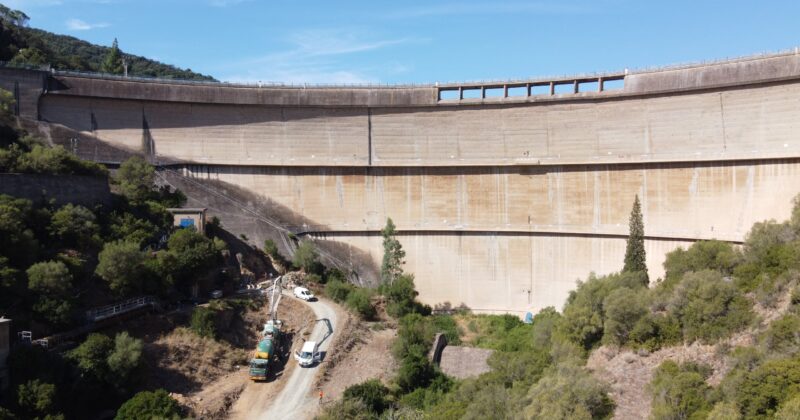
(110, 311)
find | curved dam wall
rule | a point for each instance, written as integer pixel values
(501, 202)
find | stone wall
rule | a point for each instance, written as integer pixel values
(87, 191)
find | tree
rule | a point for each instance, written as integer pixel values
(30, 56)
(113, 60)
(400, 295)
(135, 178)
(393, 254)
(75, 225)
(149, 405)
(92, 356)
(37, 398)
(623, 309)
(51, 282)
(306, 257)
(635, 258)
(121, 264)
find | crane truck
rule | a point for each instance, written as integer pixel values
(268, 348)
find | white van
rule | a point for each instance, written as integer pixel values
(303, 293)
(308, 354)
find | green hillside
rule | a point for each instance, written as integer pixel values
(22, 45)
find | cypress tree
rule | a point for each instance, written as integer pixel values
(393, 254)
(113, 61)
(635, 258)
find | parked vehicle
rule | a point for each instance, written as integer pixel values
(266, 352)
(303, 293)
(307, 355)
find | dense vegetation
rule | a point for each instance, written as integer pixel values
(57, 260)
(21, 45)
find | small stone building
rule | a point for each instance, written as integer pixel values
(189, 217)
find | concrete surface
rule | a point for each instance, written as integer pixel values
(502, 203)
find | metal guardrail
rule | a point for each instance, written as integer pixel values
(119, 308)
(534, 79)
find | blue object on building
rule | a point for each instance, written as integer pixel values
(529, 318)
(187, 223)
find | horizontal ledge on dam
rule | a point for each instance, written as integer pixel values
(453, 167)
(512, 232)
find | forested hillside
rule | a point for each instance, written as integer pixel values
(22, 45)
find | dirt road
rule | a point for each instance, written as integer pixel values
(296, 401)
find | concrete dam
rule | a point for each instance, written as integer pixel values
(504, 193)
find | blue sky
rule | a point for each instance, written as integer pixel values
(339, 41)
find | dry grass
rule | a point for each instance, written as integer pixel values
(182, 357)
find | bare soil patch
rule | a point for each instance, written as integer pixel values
(362, 354)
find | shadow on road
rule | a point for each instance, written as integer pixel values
(330, 329)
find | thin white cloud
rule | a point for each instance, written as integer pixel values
(26, 5)
(492, 8)
(79, 25)
(315, 56)
(226, 3)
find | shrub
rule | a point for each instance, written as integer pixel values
(708, 307)
(783, 336)
(568, 392)
(372, 393)
(726, 411)
(400, 295)
(768, 386)
(702, 255)
(415, 371)
(338, 291)
(358, 301)
(680, 391)
(654, 331)
(203, 322)
(313, 278)
(790, 410)
(350, 409)
(149, 405)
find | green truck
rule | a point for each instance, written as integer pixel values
(267, 351)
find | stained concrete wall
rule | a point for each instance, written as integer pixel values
(679, 200)
(741, 123)
(502, 204)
